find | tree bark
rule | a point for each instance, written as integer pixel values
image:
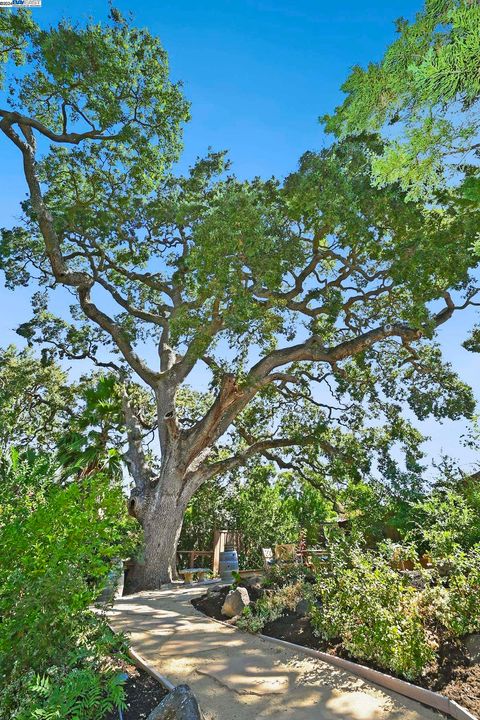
(162, 526)
(160, 512)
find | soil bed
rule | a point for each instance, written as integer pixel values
(211, 604)
(456, 676)
(143, 693)
(464, 688)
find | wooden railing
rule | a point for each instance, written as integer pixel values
(221, 539)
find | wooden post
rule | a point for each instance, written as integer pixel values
(218, 547)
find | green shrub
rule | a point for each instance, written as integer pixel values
(280, 575)
(375, 614)
(447, 521)
(458, 605)
(58, 542)
(271, 606)
(254, 620)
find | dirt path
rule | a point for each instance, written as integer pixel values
(237, 676)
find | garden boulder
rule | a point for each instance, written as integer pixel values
(472, 644)
(179, 704)
(235, 602)
(254, 587)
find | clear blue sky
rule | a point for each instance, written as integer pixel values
(258, 74)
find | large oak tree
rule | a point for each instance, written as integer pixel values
(305, 309)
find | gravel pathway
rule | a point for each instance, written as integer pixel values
(237, 676)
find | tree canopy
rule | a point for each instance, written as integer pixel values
(424, 94)
(35, 400)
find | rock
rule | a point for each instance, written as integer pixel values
(254, 581)
(179, 704)
(235, 601)
(302, 608)
(232, 621)
(254, 587)
(213, 591)
(472, 645)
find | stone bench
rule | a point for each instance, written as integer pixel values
(189, 573)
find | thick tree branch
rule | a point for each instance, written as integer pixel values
(118, 335)
(82, 281)
(72, 138)
(138, 466)
(206, 472)
(234, 396)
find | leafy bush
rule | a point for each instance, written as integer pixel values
(279, 575)
(254, 620)
(375, 614)
(270, 607)
(457, 604)
(447, 521)
(58, 542)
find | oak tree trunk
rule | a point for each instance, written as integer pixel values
(162, 525)
(159, 500)
(160, 512)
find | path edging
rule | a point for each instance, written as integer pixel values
(432, 699)
(141, 662)
(435, 700)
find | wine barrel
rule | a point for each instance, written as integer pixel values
(228, 564)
